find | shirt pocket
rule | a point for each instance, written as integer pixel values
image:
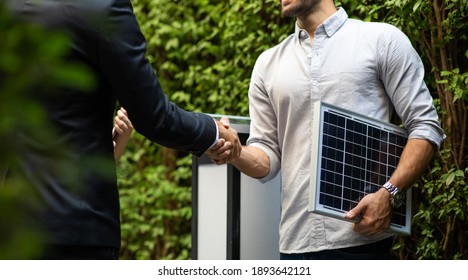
(359, 90)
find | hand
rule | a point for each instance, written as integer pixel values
(375, 211)
(122, 125)
(229, 147)
(121, 132)
(219, 152)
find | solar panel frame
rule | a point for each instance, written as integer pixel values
(347, 155)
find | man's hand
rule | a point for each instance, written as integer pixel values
(121, 132)
(229, 147)
(374, 211)
(122, 124)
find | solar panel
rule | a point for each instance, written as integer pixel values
(353, 155)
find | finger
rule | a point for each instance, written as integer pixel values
(124, 119)
(119, 125)
(121, 114)
(225, 121)
(231, 136)
(353, 217)
(223, 149)
(354, 214)
(118, 130)
(361, 228)
(213, 152)
(223, 154)
(220, 154)
(129, 124)
(236, 146)
(219, 162)
(217, 145)
(365, 228)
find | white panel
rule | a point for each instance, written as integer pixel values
(212, 212)
(260, 216)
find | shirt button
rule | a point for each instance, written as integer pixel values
(315, 83)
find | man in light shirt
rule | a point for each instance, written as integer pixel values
(369, 67)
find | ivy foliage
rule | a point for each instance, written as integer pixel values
(204, 51)
(155, 201)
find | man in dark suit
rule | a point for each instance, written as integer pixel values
(82, 222)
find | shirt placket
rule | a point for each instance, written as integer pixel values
(315, 65)
(307, 48)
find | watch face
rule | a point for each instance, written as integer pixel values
(398, 199)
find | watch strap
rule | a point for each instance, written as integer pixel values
(391, 188)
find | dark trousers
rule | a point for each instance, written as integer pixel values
(67, 252)
(375, 251)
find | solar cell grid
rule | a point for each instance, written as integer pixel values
(354, 155)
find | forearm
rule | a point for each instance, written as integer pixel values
(413, 163)
(375, 208)
(120, 141)
(253, 162)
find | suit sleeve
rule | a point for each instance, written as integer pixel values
(122, 59)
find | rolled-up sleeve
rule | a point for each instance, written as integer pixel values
(402, 73)
(263, 128)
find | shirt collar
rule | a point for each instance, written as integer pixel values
(331, 25)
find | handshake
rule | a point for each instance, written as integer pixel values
(228, 148)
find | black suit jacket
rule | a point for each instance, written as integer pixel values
(106, 38)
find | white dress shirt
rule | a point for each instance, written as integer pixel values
(370, 68)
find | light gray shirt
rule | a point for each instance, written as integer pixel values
(370, 68)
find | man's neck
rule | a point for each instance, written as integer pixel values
(317, 17)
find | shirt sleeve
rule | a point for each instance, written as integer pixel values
(263, 128)
(402, 73)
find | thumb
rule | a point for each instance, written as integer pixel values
(225, 121)
(354, 214)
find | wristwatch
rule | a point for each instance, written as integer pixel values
(397, 197)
